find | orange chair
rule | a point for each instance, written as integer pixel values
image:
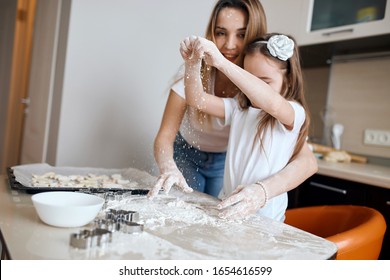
(358, 231)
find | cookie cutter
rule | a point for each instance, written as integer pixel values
(122, 215)
(86, 239)
(131, 227)
(120, 220)
(106, 224)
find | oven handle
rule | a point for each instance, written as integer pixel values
(329, 188)
(348, 30)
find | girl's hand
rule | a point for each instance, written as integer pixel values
(208, 50)
(168, 179)
(194, 48)
(243, 202)
(187, 50)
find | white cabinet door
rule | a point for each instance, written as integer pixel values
(354, 30)
(294, 17)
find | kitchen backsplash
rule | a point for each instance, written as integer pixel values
(354, 91)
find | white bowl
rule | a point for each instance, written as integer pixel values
(67, 209)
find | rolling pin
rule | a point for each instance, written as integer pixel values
(317, 148)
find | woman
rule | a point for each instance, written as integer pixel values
(190, 147)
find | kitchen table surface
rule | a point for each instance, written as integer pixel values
(176, 226)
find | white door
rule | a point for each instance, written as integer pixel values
(17, 77)
(43, 79)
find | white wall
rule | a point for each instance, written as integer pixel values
(120, 58)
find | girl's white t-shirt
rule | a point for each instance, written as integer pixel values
(208, 135)
(247, 163)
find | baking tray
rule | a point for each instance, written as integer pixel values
(16, 185)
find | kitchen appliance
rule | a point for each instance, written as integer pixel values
(337, 131)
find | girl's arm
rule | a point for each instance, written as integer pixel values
(195, 93)
(259, 93)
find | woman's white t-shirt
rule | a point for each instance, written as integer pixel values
(210, 135)
(246, 163)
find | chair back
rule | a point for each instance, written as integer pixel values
(358, 231)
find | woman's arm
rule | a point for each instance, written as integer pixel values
(247, 199)
(170, 124)
(293, 174)
(163, 146)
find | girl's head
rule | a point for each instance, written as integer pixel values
(234, 23)
(275, 59)
(280, 55)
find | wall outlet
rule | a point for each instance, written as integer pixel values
(377, 137)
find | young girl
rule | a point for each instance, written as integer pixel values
(191, 153)
(268, 123)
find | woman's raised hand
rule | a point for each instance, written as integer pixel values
(168, 179)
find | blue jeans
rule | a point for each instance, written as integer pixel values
(203, 170)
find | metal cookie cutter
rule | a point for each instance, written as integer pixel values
(130, 216)
(90, 238)
(106, 224)
(104, 236)
(121, 220)
(122, 215)
(131, 227)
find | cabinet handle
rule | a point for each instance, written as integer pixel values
(329, 188)
(349, 30)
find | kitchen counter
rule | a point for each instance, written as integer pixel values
(375, 175)
(176, 226)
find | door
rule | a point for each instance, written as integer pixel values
(17, 100)
(45, 79)
(41, 30)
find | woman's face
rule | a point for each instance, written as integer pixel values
(266, 69)
(230, 32)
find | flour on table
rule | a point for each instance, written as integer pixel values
(166, 210)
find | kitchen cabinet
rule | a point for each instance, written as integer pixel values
(379, 198)
(314, 22)
(327, 190)
(336, 20)
(326, 28)
(319, 190)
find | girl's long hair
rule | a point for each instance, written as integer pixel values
(292, 90)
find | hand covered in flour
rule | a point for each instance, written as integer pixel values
(188, 52)
(195, 48)
(243, 202)
(166, 180)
